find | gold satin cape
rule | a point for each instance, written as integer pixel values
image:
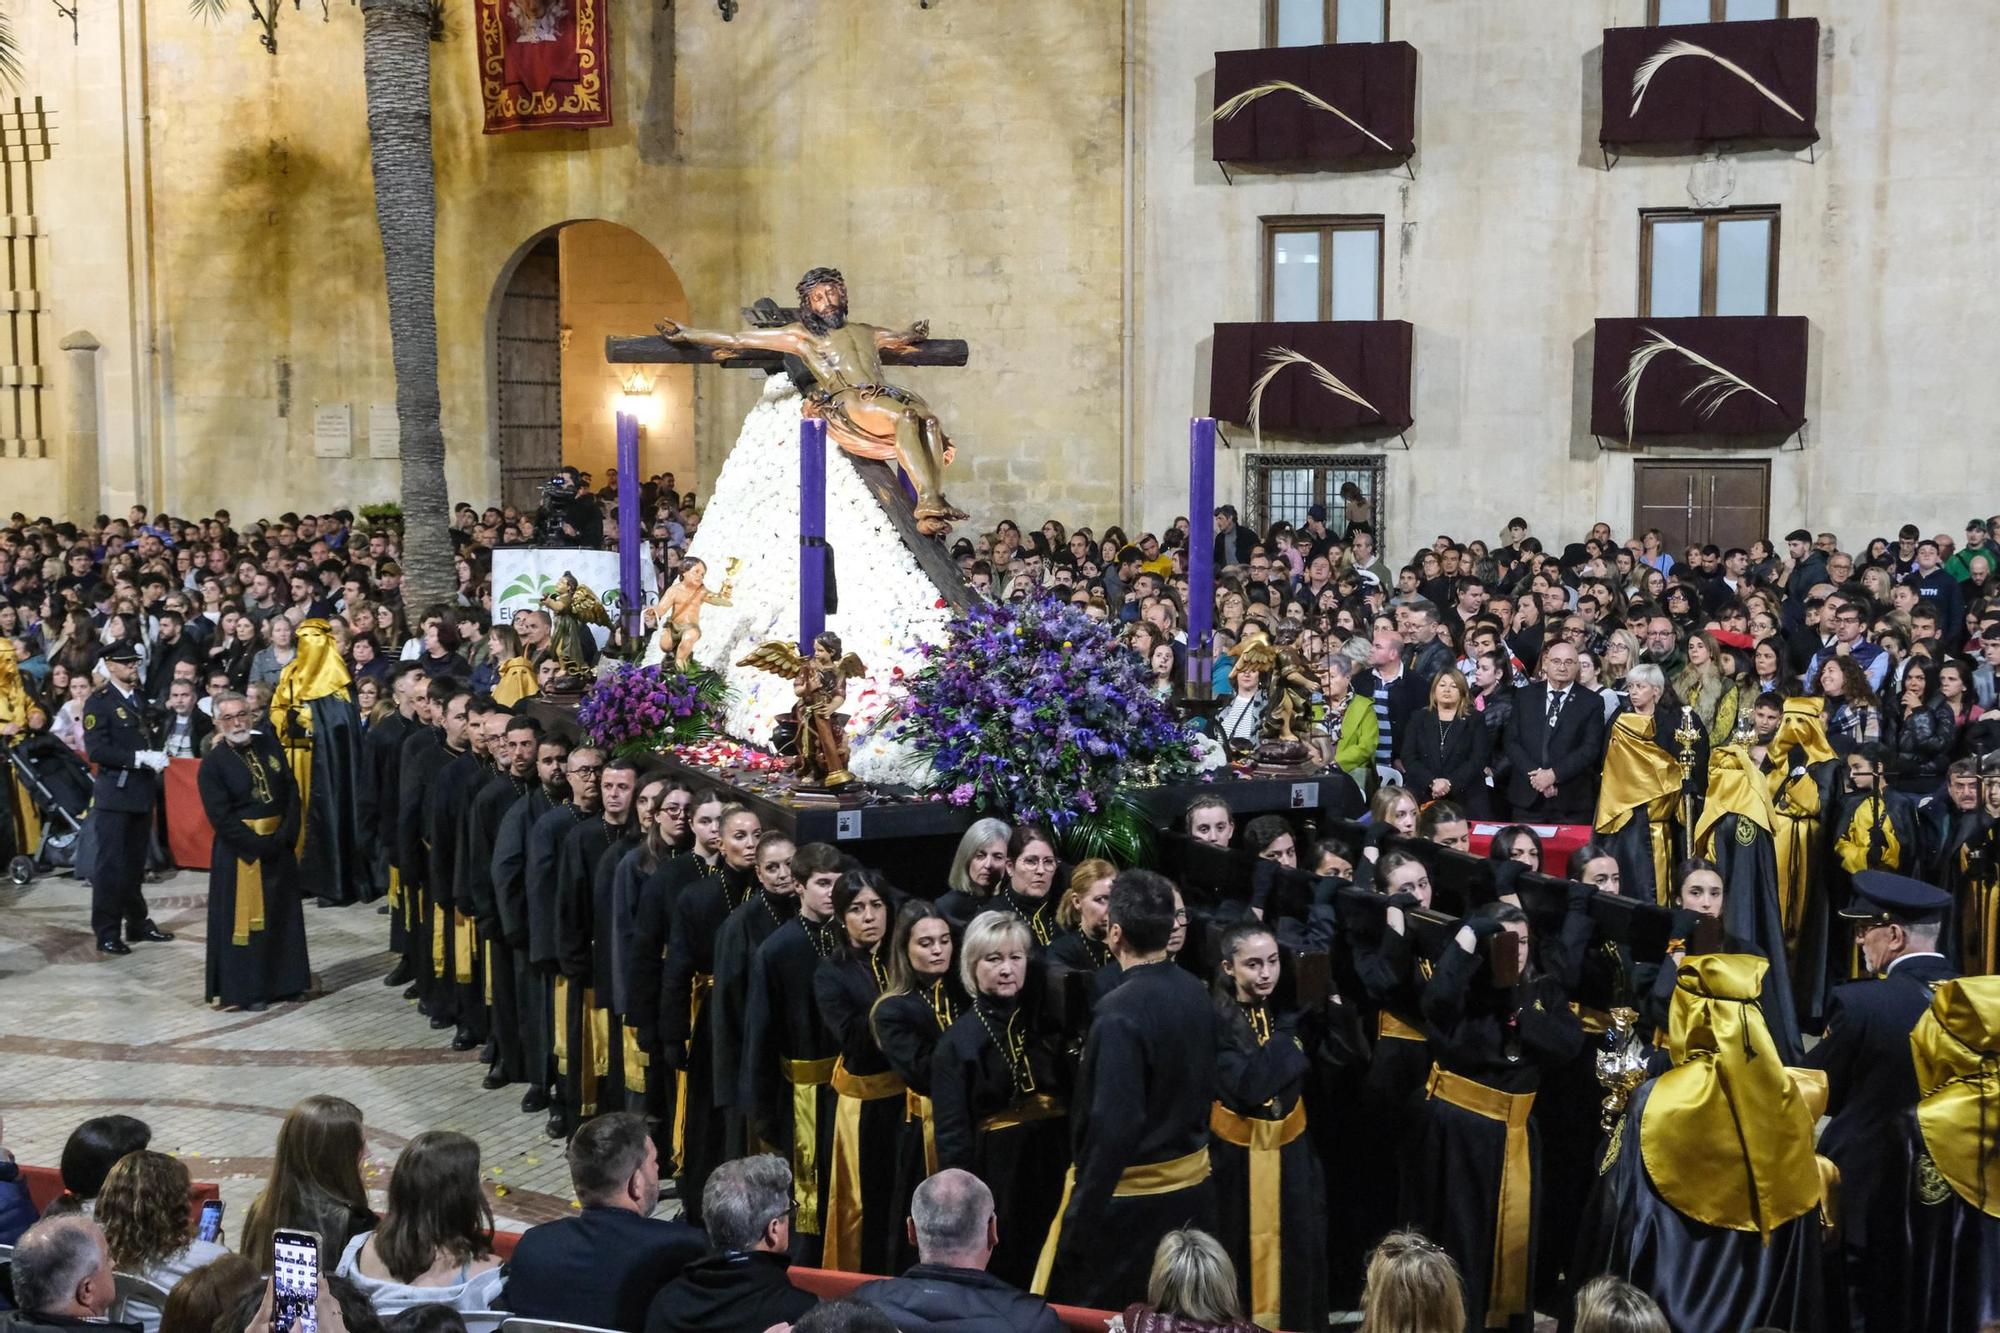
(1735, 787)
(517, 682)
(14, 707)
(1795, 809)
(1956, 1047)
(315, 673)
(1638, 773)
(1727, 1134)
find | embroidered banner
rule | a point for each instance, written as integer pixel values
(544, 64)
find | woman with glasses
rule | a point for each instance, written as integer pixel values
(1028, 891)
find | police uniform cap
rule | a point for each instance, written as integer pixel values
(1881, 894)
(122, 651)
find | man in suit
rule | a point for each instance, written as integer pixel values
(603, 1266)
(1555, 741)
(1871, 1077)
(120, 745)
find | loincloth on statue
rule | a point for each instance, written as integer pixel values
(852, 437)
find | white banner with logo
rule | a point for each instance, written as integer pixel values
(523, 575)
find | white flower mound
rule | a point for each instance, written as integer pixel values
(888, 605)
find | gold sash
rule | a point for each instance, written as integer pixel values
(1264, 1140)
(842, 1251)
(561, 1033)
(438, 927)
(1507, 1292)
(807, 1077)
(1146, 1179)
(699, 985)
(250, 884)
(1027, 1111)
(1389, 1025)
(396, 892)
(594, 1060)
(918, 1107)
(635, 1059)
(27, 820)
(1795, 839)
(487, 955)
(1978, 916)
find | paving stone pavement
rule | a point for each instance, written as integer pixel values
(83, 1033)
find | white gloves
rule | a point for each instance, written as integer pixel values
(153, 759)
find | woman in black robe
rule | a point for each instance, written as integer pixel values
(1029, 889)
(1085, 915)
(870, 1097)
(1468, 1182)
(1271, 1221)
(774, 902)
(978, 868)
(256, 924)
(1711, 1198)
(994, 1095)
(921, 1001)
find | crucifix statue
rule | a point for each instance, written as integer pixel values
(865, 416)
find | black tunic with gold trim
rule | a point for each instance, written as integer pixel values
(871, 1100)
(755, 920)
(908, 1028)
(788, 1060)
(256, 925)
(1270, 1192)
(1000, 1115)
(699, 903)
(1469, 1181)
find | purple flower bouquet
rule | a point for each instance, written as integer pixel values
(640, 710)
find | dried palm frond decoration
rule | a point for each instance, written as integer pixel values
(1280, 357)
(1235, 104)
(1642, 77)
(1715, 389)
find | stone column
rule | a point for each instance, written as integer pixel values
(81, 485)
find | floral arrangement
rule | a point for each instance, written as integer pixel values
(719, 752)
(638, 710)
(1034, 711)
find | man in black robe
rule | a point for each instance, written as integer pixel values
(788, 1051)
(375, 810)
(592, 1082)
(510, 895)
(510, 745)
(454, 949)
(423, 754)
(583, 768)
(1871, 1076)
(1139, 1120)
(256, 927)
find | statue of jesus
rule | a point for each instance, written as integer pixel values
(865, 416)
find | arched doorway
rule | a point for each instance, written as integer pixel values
(555, 397)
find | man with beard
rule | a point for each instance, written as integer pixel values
(256, 928)
(510, 899)
(382, 752)
(865, 416)
(584, 769)
(454, 943)
(593, 1077)
(510, 748)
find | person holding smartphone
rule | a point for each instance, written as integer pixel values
(143, 1210)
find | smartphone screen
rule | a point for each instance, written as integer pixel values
(211, 1220)
(294, 1281)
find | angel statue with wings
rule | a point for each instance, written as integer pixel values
(573, 608)
(821, 684)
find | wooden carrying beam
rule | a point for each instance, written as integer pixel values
(657, 351)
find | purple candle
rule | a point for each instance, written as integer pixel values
(812, 531)
(1201, 544)
(632, 597)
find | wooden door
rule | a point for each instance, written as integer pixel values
(1694, 502)
(530, 379)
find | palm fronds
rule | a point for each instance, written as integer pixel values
(212, 10)
(1642, 77)
(10, 53)
(1235, 104)
(1714, 389)
(1280, 357)
(1121, 833)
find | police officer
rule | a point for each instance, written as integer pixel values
(120, 745)
(1871, 1077)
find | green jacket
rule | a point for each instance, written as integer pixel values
(1355, 732)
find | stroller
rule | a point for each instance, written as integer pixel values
(58, 784)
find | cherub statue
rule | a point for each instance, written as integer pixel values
(820, 682)
(866, 416)
(678, 612)
(1288, 682)
(573, 608)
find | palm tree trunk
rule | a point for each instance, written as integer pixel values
(396, 68)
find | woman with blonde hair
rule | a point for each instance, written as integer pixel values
(1396, 807)
(1608, 1304)
(148, 1228)
(1412, 1287)
(1084, 914)
(1192, 1289)
(315, 1183)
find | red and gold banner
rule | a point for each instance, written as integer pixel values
(544, 64)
